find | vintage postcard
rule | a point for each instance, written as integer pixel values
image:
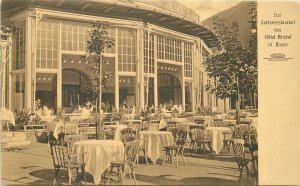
(143, 92)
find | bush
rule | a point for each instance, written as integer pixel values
(23, 118)
(113, 116)
(186, 114)
(204, 110)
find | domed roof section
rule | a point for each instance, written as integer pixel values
(164, 13)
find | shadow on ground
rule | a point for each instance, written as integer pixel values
(163, 180)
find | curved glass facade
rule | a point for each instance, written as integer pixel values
(140, 64)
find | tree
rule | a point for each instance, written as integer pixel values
(232, 65)
(98, 41)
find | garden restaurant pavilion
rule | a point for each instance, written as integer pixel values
(157, 57)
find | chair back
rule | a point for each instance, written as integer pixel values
(170, 125)
(175, 132)
(238, 148)
(128, 134)
(218, 122)
(59, 153)
(199, 121)
(245, 122)
(87, 127)
(109, 134)
(198, 133)
(241, 130)
(181, 139)
(131, 150)
(71, 139)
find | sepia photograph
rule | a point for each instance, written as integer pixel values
(133, 92)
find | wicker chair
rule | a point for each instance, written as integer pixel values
(176, 150)
(129, 134)
(242, 162)
(201, 138)
(131, 149)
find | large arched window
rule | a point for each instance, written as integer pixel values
(169, 89)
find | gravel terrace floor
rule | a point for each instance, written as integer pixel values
(32, 165)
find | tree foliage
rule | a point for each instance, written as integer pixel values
(233, 66)
(99, 40)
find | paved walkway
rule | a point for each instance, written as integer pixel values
(33, 165)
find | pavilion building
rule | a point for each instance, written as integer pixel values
(158, 54)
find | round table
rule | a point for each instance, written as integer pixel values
(154, 141)
(60, 127)
(217, 137)
(99, 155)
(185, 126)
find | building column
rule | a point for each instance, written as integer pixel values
(117, 91)
(140, 69)
(28, 67)
(59, 73)
(10, 76)
(182, 77)
(155, 75)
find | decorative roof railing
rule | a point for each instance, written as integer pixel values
(172, 6)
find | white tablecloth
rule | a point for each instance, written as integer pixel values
(117, 129)
(7, 116)
(178, 120)
(60, 127)
(253, 121)
(221, 116)
(217, 137)
(99, 155)
(154, 141)
(229, 121)
(185, 126)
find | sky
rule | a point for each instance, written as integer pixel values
(208, 8)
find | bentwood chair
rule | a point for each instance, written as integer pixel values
(72, 138)
(242, 162)
(200, 138)
(170, 125)
(218, 122)
(128, 134)
(254, 156)
(176, 150)
(60, 152)
(131, 149)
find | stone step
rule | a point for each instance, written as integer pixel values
(16, 144)
(14, 139)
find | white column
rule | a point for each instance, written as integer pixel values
(194, 70)
(155, 75)
(141, 67)
(182, 77)
(28, 83)
(116, 73)
(59, 73)
(10, 81)
(35, 19)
